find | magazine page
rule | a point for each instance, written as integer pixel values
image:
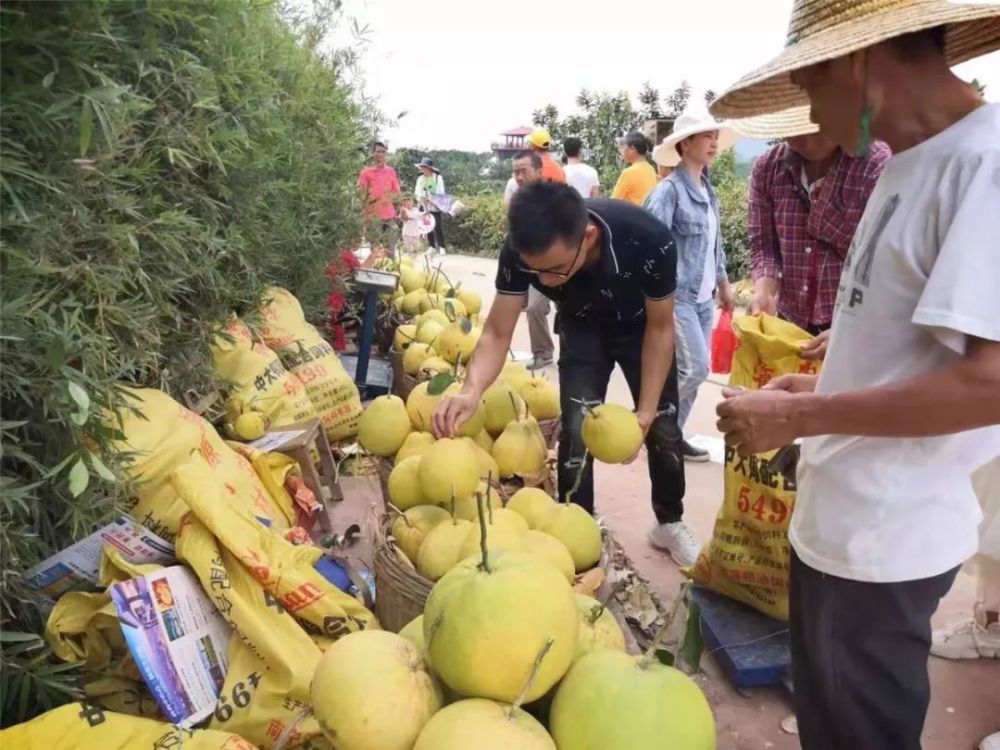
(178, 640)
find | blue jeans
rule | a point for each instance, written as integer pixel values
(693, 325)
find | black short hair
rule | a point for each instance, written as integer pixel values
(379, 144)
(533, 156)
(918, 44)
(542, 213)
(572, 146)
(638, 141)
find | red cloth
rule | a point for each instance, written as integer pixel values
(339, 273)
(801, 241)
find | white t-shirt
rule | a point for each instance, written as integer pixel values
(708, 279)
(509, 189)
(582, 177)
(921, 276)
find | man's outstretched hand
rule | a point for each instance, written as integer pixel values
(758, 421)
(453, 412)
(816, 348)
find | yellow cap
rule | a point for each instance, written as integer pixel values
(540, 139)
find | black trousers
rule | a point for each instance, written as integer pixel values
(588, 353)
(436, 238)
(859, 658)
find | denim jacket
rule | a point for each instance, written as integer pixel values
(678, 203)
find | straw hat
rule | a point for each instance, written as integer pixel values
(822, 30)
(429, 163)
(691, 122)
(777, 125)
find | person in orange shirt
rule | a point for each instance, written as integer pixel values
(540, 141)
(639, 178)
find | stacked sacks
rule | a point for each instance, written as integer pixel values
(158, 434)
(307, 355)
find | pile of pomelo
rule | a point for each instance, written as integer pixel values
(501, 630)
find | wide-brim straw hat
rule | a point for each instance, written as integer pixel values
(776, 125)
(688, 123)
(429, 163)
(822, 30)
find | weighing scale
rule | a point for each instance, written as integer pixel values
(372, 376)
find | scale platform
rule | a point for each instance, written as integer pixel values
(378, 381)
(752, 648)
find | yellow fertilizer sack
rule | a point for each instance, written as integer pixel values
(256, 378)
(747, 558)
(84, 726)
(271, 660)
(285, 571)
(307, 354)
(162, 435)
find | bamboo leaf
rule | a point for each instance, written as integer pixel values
(79, 478)
(49, 78)
(439, 383)
(101, 468)
(79, 395)
(693, 643)
(13, 636)
(86, 127)
(60, 104)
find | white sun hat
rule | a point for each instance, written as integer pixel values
(821, 30)
(691, 122)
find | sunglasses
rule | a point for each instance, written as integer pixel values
(552, 271)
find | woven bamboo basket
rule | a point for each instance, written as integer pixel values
(550, 431)
(384, 469)
(406, 384)
(401, 592)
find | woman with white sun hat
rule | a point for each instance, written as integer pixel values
(906, 406)
(686, 202)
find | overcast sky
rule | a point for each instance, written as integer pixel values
(465, 70)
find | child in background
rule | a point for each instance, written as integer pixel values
(414, 226)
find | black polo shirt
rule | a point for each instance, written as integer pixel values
(638, 262)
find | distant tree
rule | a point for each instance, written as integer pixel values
(649, 98)
(677, 102)
(709, 97)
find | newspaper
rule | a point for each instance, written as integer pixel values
(77, 566)
(178, 640)
(275, 441)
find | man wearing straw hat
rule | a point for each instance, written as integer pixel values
(806, 197)
(906, 407)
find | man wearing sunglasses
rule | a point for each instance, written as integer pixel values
(611, 267)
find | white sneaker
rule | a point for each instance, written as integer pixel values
(677, 540)
(990, 742)
(970, 640)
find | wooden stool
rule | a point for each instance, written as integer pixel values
(297, 441)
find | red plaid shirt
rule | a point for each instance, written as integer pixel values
(800, 240)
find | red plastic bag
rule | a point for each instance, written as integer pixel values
(724, 343)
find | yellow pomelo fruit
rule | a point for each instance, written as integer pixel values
(503, 405)
(457, 341)
(483, 725)
(429, 331)
(610, 699)
(533, 504)
(384, 426)
(426, 303)
(414, 445)
(483, 437)
(406, 262)
(515, 373)
(415, 355)
(520, 449)
(412, 303)
(373, 689)
(491, 621)
(508, 518)
(439, 552)
(472, 300)
(541, 397)
(487, 464)
(420, 405)
(611, 433)
(498, 537)
(448, 469)
(433, 366)
(403, 485)
(413, 631)
(432, 315)
(551, 550)
(598, 627)
(411, 279)
(410, 529)
(404, 334)
(451, 307)
(251, 425)
(577, 529)
(465, 507)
